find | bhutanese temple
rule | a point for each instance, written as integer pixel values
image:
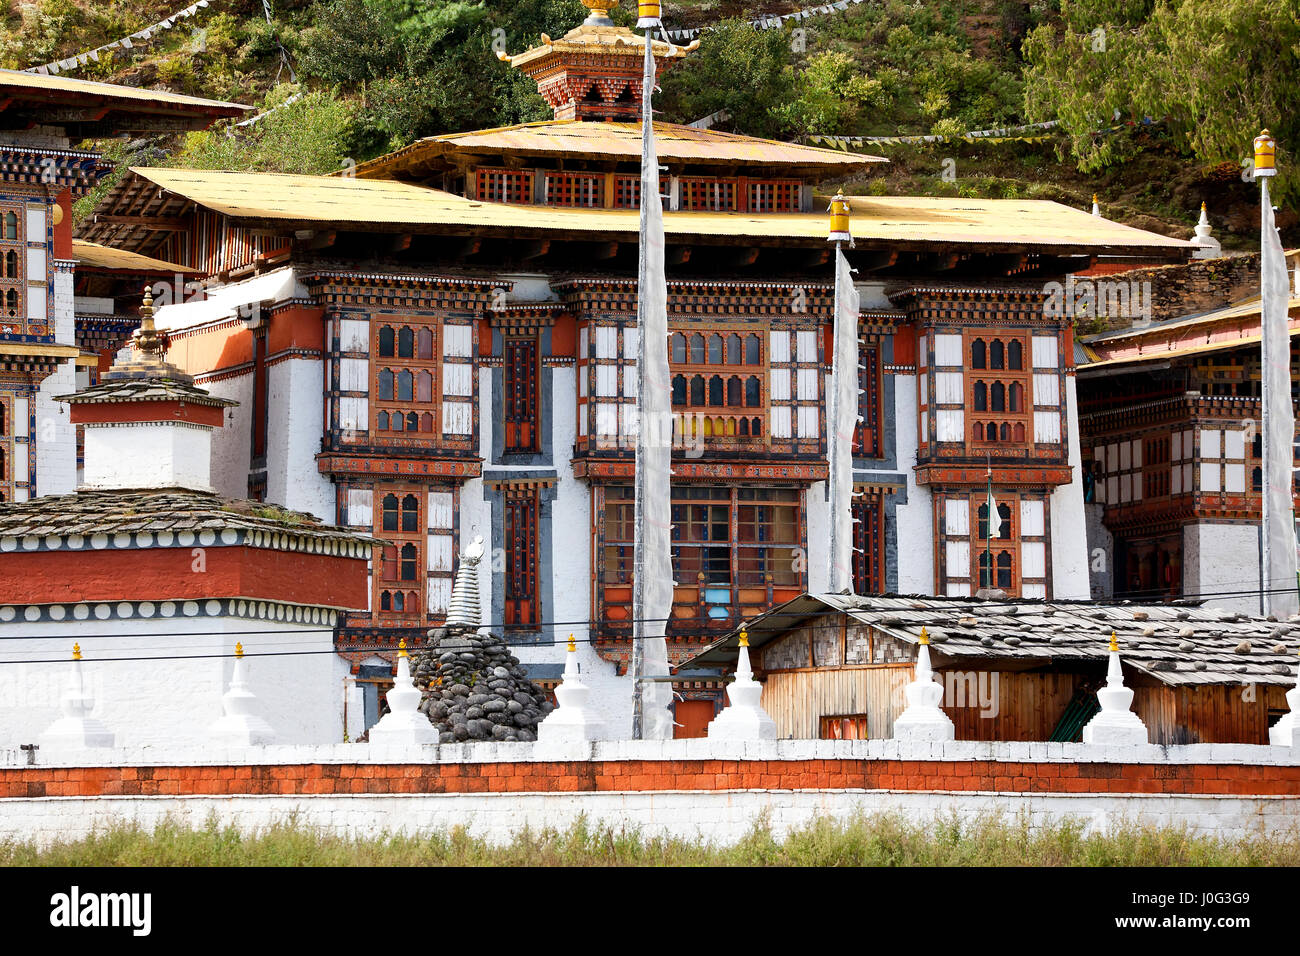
(441, 345)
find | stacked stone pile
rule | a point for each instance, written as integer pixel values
(475, 689)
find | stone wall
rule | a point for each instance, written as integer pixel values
(1197, 286)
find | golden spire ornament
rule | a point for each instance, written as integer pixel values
(76, 652)
(744, 638)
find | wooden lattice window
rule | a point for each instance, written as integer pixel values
(405, 387)
(505, 185)
(522, 604)
(710, 193)
(574, 189)
(627, 192)
(520, 374)
(400, 570)
(999, 399)
(717, 385)
(867, 437)
(869, 544)
(13, 254)
(774, 196)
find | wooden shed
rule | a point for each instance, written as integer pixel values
(835, 665)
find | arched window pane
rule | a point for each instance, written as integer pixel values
(386, 384)
(405, 387)
(981, 397)
(399, 601)
(11, 265)
(385, 601)
(977, 353)
(697, 390)
(982, 517)
(752, 397)
(386, 339)
(390, 512)
(1004, 513)
(410, 513)
(752, 349)
(426, 422)
(715, 349)
(412, 422)
(734, 351)
(679, 347)
(1015, 397)
(697, 349)
(715, 391)
(424, 343)
(998, 397)
(408, 562)
(1004, 570)
(996, 354)
(1004, 433)
(1015, 357)
(1019, 431)
(406, 343)
(991, 432)
(381, 421)
(11, 226)
(744, 426)
(424, 386)
(734, 392)
(679, 389)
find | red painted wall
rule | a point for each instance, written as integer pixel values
(181, 574)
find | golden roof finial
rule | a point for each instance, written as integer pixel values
(239, 651)
(599, 8)
(76, 652)
(744, 638)
(573, 645)
(1114, 642)
(147, 339)
(925, 636)
(401, 648)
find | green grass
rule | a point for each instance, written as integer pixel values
(881, 840)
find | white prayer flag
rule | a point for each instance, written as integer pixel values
(843, 421)
(1279, 575)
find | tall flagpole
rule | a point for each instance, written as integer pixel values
(648, 20)
(842, 405)
(1277, 415)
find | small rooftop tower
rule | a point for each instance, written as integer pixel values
(593, 72)
(147, 424)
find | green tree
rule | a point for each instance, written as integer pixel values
(1216, 72)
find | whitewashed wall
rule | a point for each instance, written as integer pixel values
(170, 701)
(296, 398)
(1069, 540)
(916, 518)
(1219, 558)
(56, 437)
(231, 443)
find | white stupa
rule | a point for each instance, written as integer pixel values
(76, 729)
(571, 721)
(924, 719)
(1116, 723)
(239, 724)
(1207, 247)
(744, 717)
(1286, 732)
(403, 725)
(1096, 209)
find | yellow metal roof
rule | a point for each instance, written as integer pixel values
(95, 256)
(348, 201)
(11, 80)
(608, 140)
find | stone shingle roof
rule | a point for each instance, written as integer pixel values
(170, 517)
(144, 390)
(1178, 644)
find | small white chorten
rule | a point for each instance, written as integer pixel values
(403, 725)
(571, 720)
(1115, 723)
(1207, 247)
(463, 608)
(76, 729)
(1286, 732)
(744, 717)
(1096, 209)
(239, 724)
(924, 719)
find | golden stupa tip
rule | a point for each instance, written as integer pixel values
(239, 651)
(1114, 642)
(401, 648)
(744, 638)
(76, 652)
(925, 636)
(573, 645)
(1094, 199)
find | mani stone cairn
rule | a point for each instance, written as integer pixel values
(473, 688)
